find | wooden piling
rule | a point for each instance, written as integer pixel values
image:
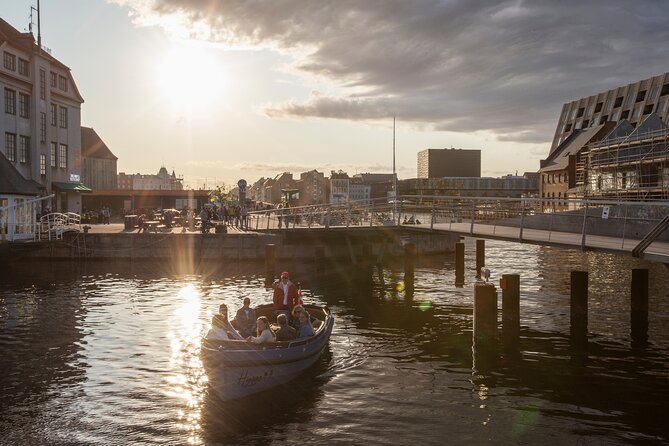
(270, 259)
(510, 285)
(485, 313)
(480, 256)
(409, 253)
(459, 264)
(639, 307)
(579, 308)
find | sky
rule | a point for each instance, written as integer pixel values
(220, 90)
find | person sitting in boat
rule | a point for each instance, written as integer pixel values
(285, 332)
(221, 329)
(285, 295)
(245, 319)
(264, 334)
(306, 329)
(295, 319)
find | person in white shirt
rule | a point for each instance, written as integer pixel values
(221, 329)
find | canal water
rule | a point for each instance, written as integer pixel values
(108, 353)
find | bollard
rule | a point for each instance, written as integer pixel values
(270, 260)
(459, 264)
(480, 256)
(639, 308)
(578, 316)
(510, 284)
(485, 313)
(409, 269)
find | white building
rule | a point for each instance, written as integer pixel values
(40, 125)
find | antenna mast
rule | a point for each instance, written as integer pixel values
(39, 25)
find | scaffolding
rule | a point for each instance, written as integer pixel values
(632, 167)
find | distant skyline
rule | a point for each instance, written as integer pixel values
(230, 89)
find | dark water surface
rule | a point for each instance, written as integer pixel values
(108, 353)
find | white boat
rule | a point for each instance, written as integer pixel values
(237, 368)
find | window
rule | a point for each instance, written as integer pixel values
(635, 111)
(53, 154)
(24, 68)
(598, 107)
(586, 123)
(567, 128)
(640, 96)
(42, 84)
(24, 105)
(42, 164)
(665, 89)
(619, 102)
(54, 115)
(580, 112)
(24, 148)
(624, 114)
(42, 127)
(653, 92)
(10, 101)
(603, 120)
(62, 156)
(628, 100)
(9, 61)
(53, 79)
(10, 146)
(573, 113)
(591, 107)
(62, 83)
(660, 106)
(609, 103)
(614, 116)
(63, 117)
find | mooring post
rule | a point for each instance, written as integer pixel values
(639, 307)
(270, 260)
(510, 284)
(480, 256)
(409, 253)
(579, 308)
(485, 313)
(459, 264)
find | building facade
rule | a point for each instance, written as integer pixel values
(339, 187)
(441, 163)
(632, 102)
(41, 121)
(313, 188)
(98, 163)
(161, 181)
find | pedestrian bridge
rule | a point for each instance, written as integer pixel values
(623, 227)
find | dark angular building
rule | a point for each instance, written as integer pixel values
(441, 163)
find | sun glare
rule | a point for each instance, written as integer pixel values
(191, 78)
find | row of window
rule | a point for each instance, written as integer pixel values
(57, 80)
(58, 113)
(551, 178)
(58, 152)
(622, 101)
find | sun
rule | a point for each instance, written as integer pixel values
(191, 78)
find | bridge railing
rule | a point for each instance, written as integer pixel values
(52, 226)
(622, 219)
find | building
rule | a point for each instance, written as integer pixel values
(441, 163)
(161, 181)
(358, 190)
(511, 186)
(98, 163)
(313, 188)
(380, 184)
(558, 170)
(339, 187)
(41, 122)
(630, 163)
(16, 194)
(632, 102)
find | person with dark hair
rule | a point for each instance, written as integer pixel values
(245, 319)
(285, 295)
(221, 329)
(285, 332)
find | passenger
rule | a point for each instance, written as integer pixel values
(285, 295)
(246, 319)
(285, 332)
(306, 329)
(264, 334)
(295, 320)
(221, 329)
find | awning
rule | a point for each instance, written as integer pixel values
(76, 187)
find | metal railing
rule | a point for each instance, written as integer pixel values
(623, 220)
(52, 226)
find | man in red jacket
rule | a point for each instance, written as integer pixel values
(285, 294)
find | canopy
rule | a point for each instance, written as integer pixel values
(76, 187)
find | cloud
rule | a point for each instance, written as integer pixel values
(461, 65)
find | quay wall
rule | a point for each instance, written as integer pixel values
(289, 244)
